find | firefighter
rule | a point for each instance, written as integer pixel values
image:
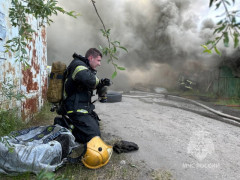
(80, 82)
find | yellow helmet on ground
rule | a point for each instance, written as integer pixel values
(98, 153)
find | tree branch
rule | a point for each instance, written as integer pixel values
(93, 2)
(229, 16)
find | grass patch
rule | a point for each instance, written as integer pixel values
(44, 117)
(9, 121)
(193, 94)
(231, 102)
(209, 97)
(23, 176)
(115, 169)
(162, 175)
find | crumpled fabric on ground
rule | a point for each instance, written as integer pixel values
(35, 149)
(125, 146)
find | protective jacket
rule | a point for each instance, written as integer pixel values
(80, 82)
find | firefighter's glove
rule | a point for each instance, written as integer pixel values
(105, 82)
(103, 99)
(102, 91)
(125, 146)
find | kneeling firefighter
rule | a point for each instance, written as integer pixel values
(79, 84)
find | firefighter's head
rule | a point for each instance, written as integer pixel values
(94, 56)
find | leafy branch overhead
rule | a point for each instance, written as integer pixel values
(19, 13)
(112, 49)
(227, 27)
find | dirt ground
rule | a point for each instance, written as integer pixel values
(176, 137)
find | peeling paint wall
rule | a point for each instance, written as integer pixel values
(31, 82)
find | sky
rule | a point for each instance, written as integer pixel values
(163, 37)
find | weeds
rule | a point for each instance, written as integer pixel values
(232, 102)
(9, 121)
(44, 117)
(162, 175)
(112, 171)
(44, 175)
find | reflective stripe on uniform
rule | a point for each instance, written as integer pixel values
(79, 110)
(77, 69)
(82, 111)
(97, 81)
(64, 92)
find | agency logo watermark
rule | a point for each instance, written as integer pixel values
(200, 146)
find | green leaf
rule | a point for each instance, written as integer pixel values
(236, 40)
(73, 14)
(233, 20)
(204, 46)
(210, 4)
(114, 74)
(108, 31)
(116, 42)
(114, 49)
(30, 30)
(23, 51)
(123, 48)
(218, 5)
(105, 51)
(23, 43)
(219, 29)
(220, 22)
(21, 31)
(207, 51)
(226, 39)
(102, 31)
(121, 68)
(9, 41)
(115, 57)
(217, 51)
(49, 175)
(11, 149)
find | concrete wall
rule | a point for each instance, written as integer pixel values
(31, 82)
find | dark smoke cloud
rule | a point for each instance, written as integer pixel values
(162, 36)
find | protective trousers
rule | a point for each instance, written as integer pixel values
(85, 127)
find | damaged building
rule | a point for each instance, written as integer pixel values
(17, 80)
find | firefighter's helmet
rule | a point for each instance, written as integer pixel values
(98, 153)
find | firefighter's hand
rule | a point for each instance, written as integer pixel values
(105, 82)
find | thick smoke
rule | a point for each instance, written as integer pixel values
(163, 38)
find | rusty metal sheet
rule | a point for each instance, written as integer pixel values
(31, 82)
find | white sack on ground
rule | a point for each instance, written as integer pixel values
(34, 150)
